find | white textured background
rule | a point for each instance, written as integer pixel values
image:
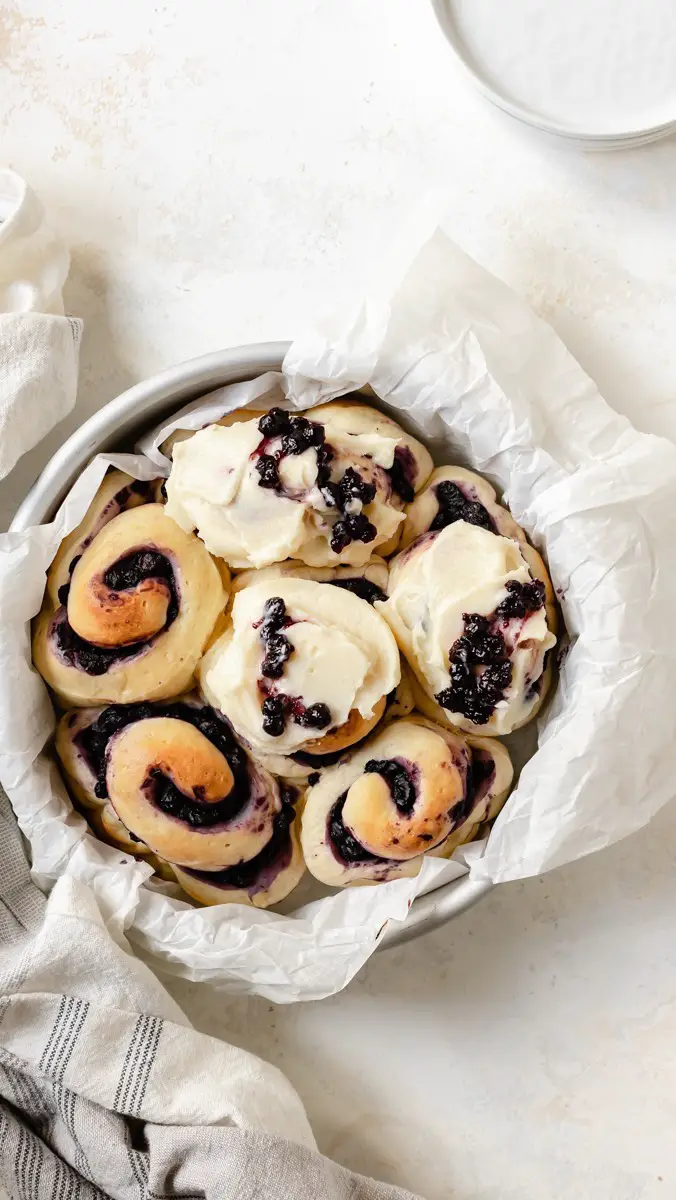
(221, 173)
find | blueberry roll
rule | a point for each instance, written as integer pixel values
(369, 581)
(302, 666)
(266, 879)
(325, 487)
(133, 619)
(473, 613)
(413, 789)
(175, 777)
(109, 828)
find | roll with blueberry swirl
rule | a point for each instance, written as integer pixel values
(413, 789)
(134, 615)
(175, 777)
(302, 667)
(325, 487)
(475, 619)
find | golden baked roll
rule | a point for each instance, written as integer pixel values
(412, 789)
(116, 493)
(135, 615)
(106, 824)
(455, 494)
(302, 666)
(324, 487)
(175, 777)
(264, 880)
(473, 612)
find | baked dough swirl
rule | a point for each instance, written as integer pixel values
(176, 778)
(414, 788)
(142, 600)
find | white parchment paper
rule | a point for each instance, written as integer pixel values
(456, 356)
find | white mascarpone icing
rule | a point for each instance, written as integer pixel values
(214, 488)
(344, 656)
(464, 569)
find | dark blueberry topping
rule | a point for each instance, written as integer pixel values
(94, 660)
(402, 474)
(353, 487)
(455, 506)
(344, 843)
(266, 466)
(302, 435)
(274, 615)
(318, 760)
(277, 650)
(313, 778)
(317, 716)
(73, 563)
(340, 537)
(480, 671)
(274, 423)
(252, 874)
(523, 599)
(93, 742)
(360, 587)
(274, 716)
(131, 570)
(167, 797)
(63, 593)
(360, 528)
(398, 779)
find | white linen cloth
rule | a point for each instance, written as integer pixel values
(38, 345)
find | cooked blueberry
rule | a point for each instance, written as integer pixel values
(455, 506)
(353, 487)
(324, 457)
(73, 563)
(63, 593)
(274, 423)
(360, 528)
(313, 778)
(274, 616)
(402, 474)
(360, 587)
(274, 716)
(317, 716)
(266, 467)
(277, 650)
(302, 435)
(474, 623)
(523, 599)
(487, 647)
(344, 843)
(340, 537)
(398, 780)
(497, 675)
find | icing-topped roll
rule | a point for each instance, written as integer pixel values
(264, 880)
(412, 789)
(475, 619)
(176, 778)
(140, 605)
(302, 666)
(325, 487)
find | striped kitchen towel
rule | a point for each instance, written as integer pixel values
(105, 1088)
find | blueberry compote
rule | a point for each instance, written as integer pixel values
(364, 588)
(401, 780)
(93, 744)
(276, 707)
(454, 506)
(257, 874)
(296, 435)
(402, 474)
(479, 663)
(127, 573)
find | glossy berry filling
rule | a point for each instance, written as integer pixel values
(402, 474)
(344, 844)
(480, 671)
(454, 506)
(522, 600)
(360, 587)
(399, 779)
(258, 873)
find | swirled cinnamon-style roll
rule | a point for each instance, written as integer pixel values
(475, 619)
(302, 666)
(413, 789)
(175, 777)
(325, 487)
(139, 606)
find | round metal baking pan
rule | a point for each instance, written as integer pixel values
(115, 427)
